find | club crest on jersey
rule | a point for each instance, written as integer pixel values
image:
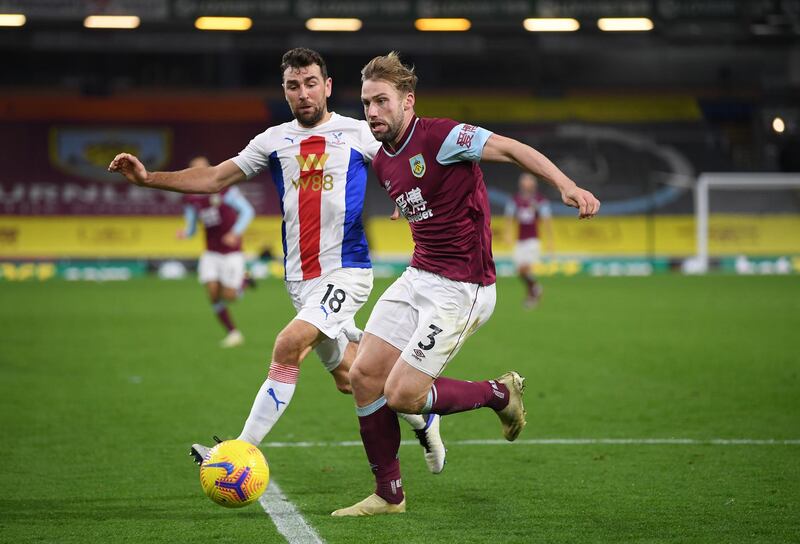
(417, 165)
(311, 162)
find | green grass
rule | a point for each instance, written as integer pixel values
(104, 386)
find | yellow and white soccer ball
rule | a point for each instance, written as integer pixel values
(234, 473)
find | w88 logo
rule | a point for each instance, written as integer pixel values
(315, 182)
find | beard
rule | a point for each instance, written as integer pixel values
(387, 137)
(309, 118)
(392, 130)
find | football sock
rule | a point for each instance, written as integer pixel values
(529, 281)
(221, 309)
(449, 396)
(271, 401)
(380, 433)
(416, 421)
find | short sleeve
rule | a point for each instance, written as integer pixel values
(369, 145)
(233, 194)
(544, 209)
(463, 143)
(254, 158)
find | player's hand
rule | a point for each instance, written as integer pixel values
(230, 239)
(181, 235)
(587, 204)
(395, 214)
(130, 167)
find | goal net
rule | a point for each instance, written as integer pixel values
(766, 206)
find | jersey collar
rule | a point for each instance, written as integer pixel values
(403, 141)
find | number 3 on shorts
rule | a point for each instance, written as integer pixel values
(429, 345)
(335, 298)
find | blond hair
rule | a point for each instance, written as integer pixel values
(389, 68)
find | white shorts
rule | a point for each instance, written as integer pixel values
(226, 268)
(429, 317)
(330, 301)
(527, 252)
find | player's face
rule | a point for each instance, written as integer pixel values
(307, 94)
(199, 162)
(527, 184)
(385, 109)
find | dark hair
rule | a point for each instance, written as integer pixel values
(300, 57)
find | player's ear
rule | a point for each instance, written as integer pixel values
(410, 100)
(328, 87)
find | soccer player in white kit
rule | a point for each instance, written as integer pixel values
(319, 164)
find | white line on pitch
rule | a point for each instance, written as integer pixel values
(567, 442)
(289, 522)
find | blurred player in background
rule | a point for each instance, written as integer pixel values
(429, 168)
(319, 165)
(225, 217)
(531, 210)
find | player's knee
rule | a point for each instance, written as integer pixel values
(357, 378)
(229, 295)
(403, 400)
(364, 381)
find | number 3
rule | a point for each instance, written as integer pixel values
(436, 330)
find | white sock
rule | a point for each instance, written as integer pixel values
(416, 421)
(271, 402)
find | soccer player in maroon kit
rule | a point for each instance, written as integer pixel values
(532, 211)
(221, 268)
(429, 168)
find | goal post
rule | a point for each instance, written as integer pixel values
(730, 181)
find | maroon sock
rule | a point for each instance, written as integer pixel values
(380, 433)
(224, 317)
(453, 396)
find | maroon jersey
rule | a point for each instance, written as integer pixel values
(218, 218)
(528, 211)
(437, 185)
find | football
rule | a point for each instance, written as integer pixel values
(234, 473)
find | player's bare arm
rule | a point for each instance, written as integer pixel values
(207, 179)
(502, 149)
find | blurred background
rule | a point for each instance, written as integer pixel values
(634, 99)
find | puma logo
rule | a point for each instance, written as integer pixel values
(278, 403)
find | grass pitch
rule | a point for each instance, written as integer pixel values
(104, 386)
